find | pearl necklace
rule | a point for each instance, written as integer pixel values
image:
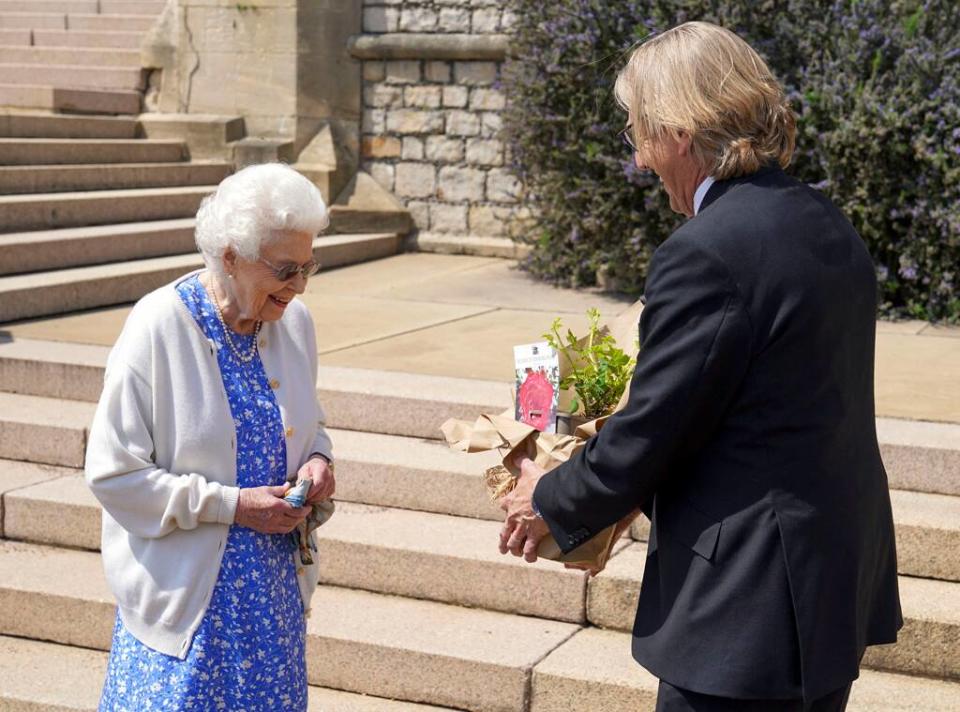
(243, 357)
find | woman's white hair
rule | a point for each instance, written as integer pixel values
(254, 206)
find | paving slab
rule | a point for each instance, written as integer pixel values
(478, 347)
(35, 676)
(426, 652)
(918, 377)
(443, 558)
(57, 151)
(374, 319)
(16, 475)
(928, 644)
(503, 284)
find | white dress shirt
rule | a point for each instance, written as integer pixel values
(701, 193)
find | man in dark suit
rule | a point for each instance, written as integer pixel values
(749, 436)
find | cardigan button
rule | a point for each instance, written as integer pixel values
(300, 571)
(274, 383)
(289, 432)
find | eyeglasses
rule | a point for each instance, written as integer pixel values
(626, 134)
(287, 272)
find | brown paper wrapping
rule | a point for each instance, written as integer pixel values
(547, 450)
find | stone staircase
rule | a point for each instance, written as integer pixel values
(415, 603)
(97, 205)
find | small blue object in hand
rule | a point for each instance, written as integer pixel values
(297, 496)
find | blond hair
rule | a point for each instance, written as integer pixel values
(704, 80)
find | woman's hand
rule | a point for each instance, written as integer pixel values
(319, 471)
(263, 509)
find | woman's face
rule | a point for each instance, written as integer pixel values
(260, 295)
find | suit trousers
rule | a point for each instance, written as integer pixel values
(675, 699)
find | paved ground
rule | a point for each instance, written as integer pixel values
(460, 316)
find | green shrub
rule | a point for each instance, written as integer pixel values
(876, 86)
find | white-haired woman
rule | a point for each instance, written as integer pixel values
(209, 406)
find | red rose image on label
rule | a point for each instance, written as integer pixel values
(537, 386)
(535, 400)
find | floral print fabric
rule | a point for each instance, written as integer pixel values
(248, 653)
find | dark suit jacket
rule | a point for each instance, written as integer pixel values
(750, 433)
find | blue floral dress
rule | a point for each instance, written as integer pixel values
(248, 653)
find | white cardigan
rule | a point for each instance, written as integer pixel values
(161, 459)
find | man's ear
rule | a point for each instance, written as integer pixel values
(684, 143)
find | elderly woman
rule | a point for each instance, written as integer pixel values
(749, 433)
(209, 406)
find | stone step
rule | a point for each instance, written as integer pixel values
(37, 676)
(62, 151)
(18, 180)
(74, 56)
(379, 549)
(45, 211)
(81, 101)
(73, 77)
(928, 644)
(404, 477)
(24, 296)
(132, 7)
(48, 6)
(15, 37)
(39, 250)
(33, 20)
(919, 456)
(95, 39)
(43, 430)
(40, 124)
(595, 671)
(110, 23)
(356, 641)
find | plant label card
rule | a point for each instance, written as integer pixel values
(537, 385)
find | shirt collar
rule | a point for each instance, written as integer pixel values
(701, 193)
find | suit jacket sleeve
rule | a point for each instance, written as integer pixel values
(696, 343)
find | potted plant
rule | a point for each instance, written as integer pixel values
(594, 366)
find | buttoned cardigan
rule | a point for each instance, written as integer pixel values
(161, 460)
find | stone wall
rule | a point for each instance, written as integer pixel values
(432, 114)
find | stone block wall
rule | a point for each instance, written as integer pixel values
(432, 119)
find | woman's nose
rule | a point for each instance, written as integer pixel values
(299, 283)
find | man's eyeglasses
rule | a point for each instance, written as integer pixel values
(626, 134)
(287, 272)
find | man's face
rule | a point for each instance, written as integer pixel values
(669, 157)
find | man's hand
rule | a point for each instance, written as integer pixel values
(319, 471)
(263, 509)
(522, 529)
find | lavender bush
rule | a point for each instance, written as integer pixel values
(876, 85)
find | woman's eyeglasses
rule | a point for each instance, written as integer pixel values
(626, 134)
(287, 272)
